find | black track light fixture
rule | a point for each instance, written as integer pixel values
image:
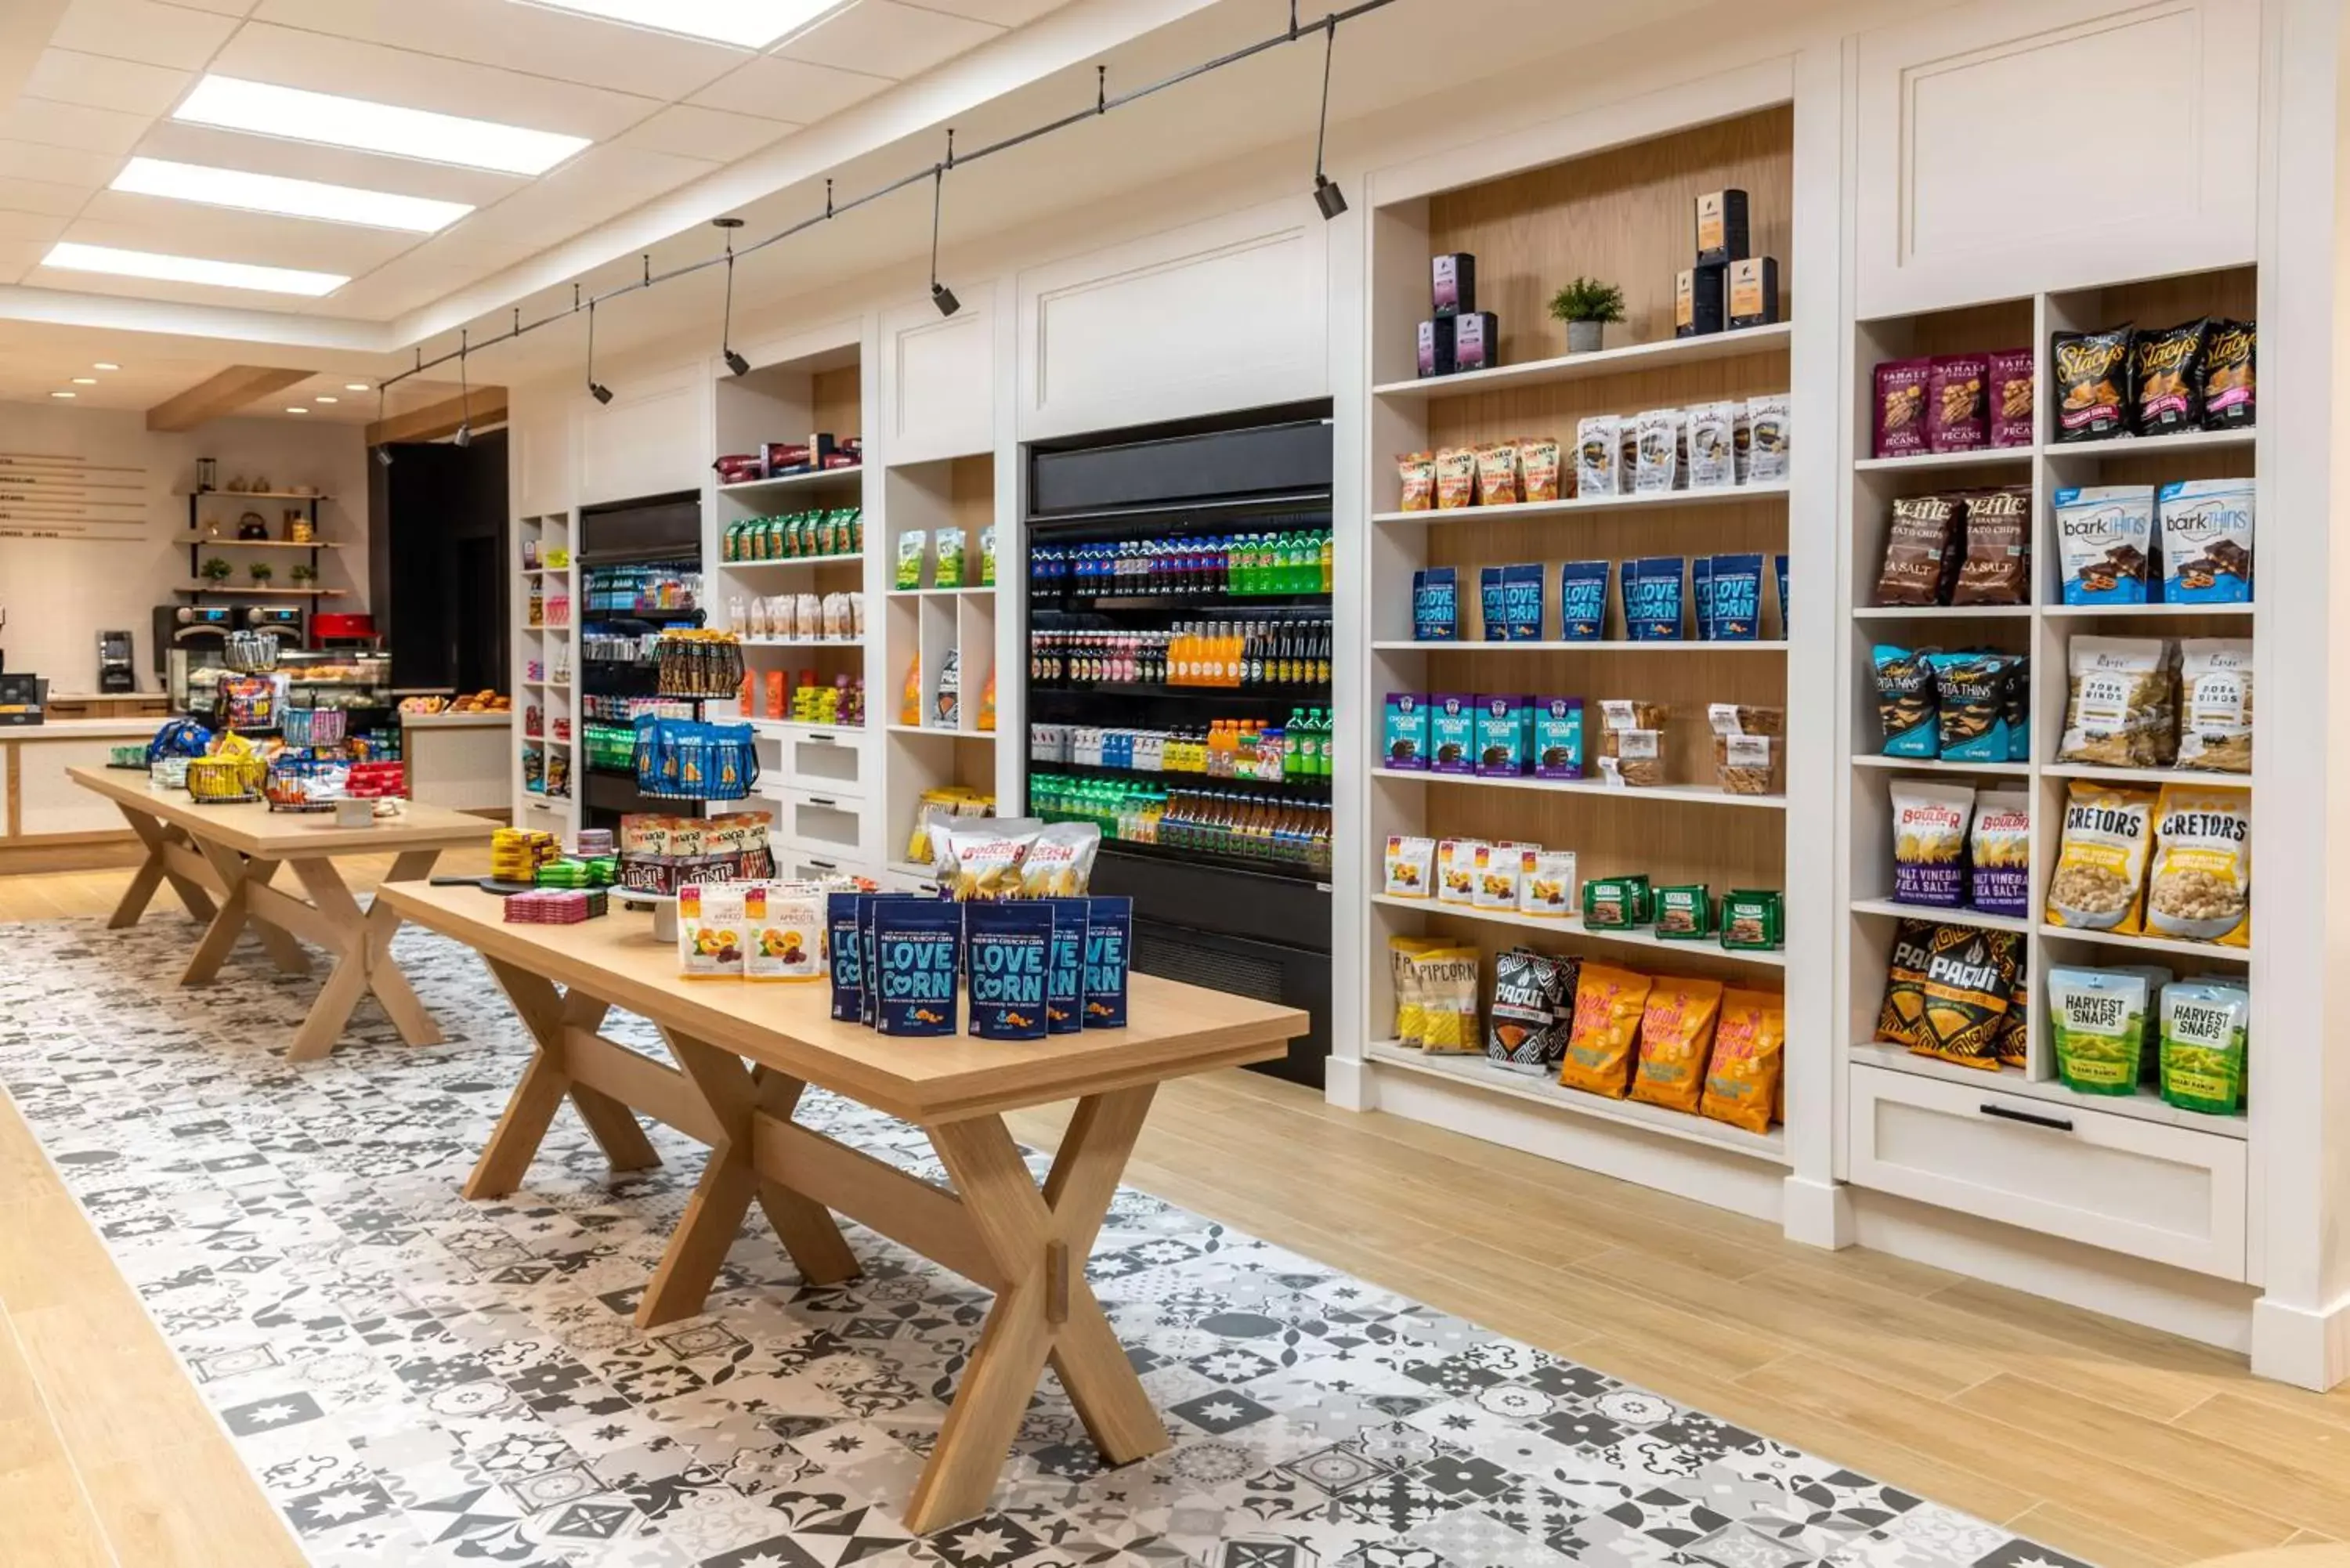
(734, 362)
(941, 295)
(1327, 194)
(383, 450)
(464, 436)
(596, 389)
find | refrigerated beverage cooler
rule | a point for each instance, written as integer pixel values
(1181, 650)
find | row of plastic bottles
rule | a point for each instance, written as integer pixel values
(1234, 823)
(1249, 749)
(1294, 561)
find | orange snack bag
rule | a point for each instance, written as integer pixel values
(1608, 1002)
(1742, 1086)
(987, 702)
(1676, 1034)
(775, 693)
(910, 706)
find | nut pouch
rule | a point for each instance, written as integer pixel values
(1608, 1002)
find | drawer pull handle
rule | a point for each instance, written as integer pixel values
(2059, 1124)
(824, 864)
(819, 800)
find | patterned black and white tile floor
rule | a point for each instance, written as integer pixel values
(416, 1380)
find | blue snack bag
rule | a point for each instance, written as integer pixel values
(916, 944)
(1521, 601)
(1008, 948)
(1970, 695)
(842, 923)
(1065, 980)
(1109, 943)
(1493, 603)
(868, 995)
(1652, 598)
(1583, 600)
(1736, 604)
(1906, 704)
(1435, 605)
(1701, 595)
(1785, 622)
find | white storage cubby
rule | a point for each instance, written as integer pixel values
(550, 645)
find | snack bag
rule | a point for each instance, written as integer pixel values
(1676, 1043)
(950, 569)
(1060, 863)
(1418, 470)
(2098, 1019)
(2203, 1047)
(710, 929)
(1969, 975)
(1497, 474)
(1008, 951)
(1970, 698)
(1109, 946)
(979, 859)
(1446, 981)
(1608, 1002)
(1906, 702)
(1999, 879)
(1410, 1012)
(1546, 885)
(1533, 993)
(2100, 880)
(986, 559)
(1498, 870)
(783, 925)
(916, 943)
(1742, 1081)
(2199, 886)
(842, 912)
(1456, 870)
(912, 546)
(1900, 1018)
(909, 705)
(2215, 705)
(1930, 842)
(1065, 987)
(1538, 463)
(1456, 478)
(2091, 371)
(1412, 865)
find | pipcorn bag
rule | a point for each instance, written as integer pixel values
(2098, 1020)
(1533, 1000)
(1900, 1019)
(1008, 948)
(1065, 978)
(1410, 1012)
(1445, 979)
(1676, 1043)
(1060, 863)
(1969, 977)
(2205, 1026)
(1109, 944)
(841, 914)
(916, 943)
(2100, 880)
(1930, 842)
(1906, 702)
(2199, 886)
(1608, 1002)
(1742, 1078)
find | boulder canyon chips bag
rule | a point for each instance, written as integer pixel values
(1008, 948)
(1064, 980)
(1742, 1078)
(2199, 886)
(1930, 842)
(1969, 975)
(1608, 1002)
(2000, 875)
(2100, 879)
(2098, 1019)
(1676, 1042)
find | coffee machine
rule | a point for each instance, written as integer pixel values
(116, 674)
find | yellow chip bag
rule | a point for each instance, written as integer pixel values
(1741, 1084)
(1676, 1034)
(2099, 883)
(1446, 981)
(2200, 886)
(1608, 1002)
(1412, 1013)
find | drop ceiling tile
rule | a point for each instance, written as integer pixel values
(37, 228)
(1003, 13)
(693, 132)
(888, 38)
(149, 288)
(601, 182)
(220, 233)
(53, 164)
(43, 196)
(322, 64)
(69, 76)
(143, 30)
(214, 147)
(519, 38)
(72, 125)
(791, 91)
(220, 7)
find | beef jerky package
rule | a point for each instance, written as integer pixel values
(1956, 409)
(1900, 407)
(1997, 566)
(2228, 381)
(2009, 393)
(2167, 368)
(1921, 547)
(2092, 376)
(1534, 1004)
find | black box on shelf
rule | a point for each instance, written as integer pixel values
(1454, 284)
(1699, 299)
(1436, 347)
(1721, 227)
(1476, 340)
(1754, 292)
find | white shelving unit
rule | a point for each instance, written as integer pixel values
(2126, 1172)
(554, 646)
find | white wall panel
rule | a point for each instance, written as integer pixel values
(1227, 314)
(539, 446)
(651, 439)
(938, 386)
(2019, 145)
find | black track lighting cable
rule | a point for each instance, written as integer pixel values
(734, 362)
(1103, 104)
(464, 436)
(941, 295)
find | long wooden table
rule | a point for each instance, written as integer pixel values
(220, 860)
(746, 1052)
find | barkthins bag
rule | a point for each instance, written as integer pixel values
(1065, 991)
(1109, 943)
(1009, 950)
(1608, 1002)
(841, 914)
(1742, 1082)
(915, 942)
(1675, 1041)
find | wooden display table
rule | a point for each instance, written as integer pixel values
(229, 853)
(745, 1053)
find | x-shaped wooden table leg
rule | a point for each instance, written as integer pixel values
(552, 1017)
(361, 942)
(242, 877)
(182, 870)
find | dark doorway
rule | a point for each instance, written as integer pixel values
(440, 565)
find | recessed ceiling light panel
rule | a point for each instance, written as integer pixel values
(85, 381)
(291, 197)
(266, 110)
(355, 386)
(73, 257)
(61, 394)
(749, 24)
(298, 410)
(106, 365)
(325, 399)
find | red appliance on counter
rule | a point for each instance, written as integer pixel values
(330, 630)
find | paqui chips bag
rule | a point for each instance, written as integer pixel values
(1741, 1079)
(1969, 975)
(2199, 886)
(1900, 1019)
(1676, 1043)
(2100, 879)
(1608, 1002)
(1534, 1001)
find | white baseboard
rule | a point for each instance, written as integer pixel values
(2295, 1345)
(1818, 1213)
(1347, 1083)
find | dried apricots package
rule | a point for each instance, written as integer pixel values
(1676, 1035)
(1608, 1002)
(1741, 1084)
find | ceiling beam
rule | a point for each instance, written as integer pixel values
(482, 410)
(225, 393)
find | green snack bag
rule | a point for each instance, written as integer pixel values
(1684, 914)
(2203, 1047)
(987, 557)
(855, 517)
(950, 574)
(2099, 1018)
(1616, 903)
(911, 544)
(1754, 921)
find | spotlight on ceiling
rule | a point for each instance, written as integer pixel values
(734, 362)
(383, 455)
(464, 436)
(1328, 197)
(1327, 194)
(944, 298)
(941, 295)
(600, 393)
(596, 389)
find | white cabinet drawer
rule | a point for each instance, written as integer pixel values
(2163, 1193)
(818, 822)
(826, 762)
(802, 866)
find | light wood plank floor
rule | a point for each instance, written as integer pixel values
(2119, 1445)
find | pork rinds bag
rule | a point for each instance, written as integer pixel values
(1608, 1002)
(1742, 1081)
(1675, 1038)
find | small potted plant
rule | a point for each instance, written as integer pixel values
(1586, 305)
(260, 572)
(215, 570)
(304, 576)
